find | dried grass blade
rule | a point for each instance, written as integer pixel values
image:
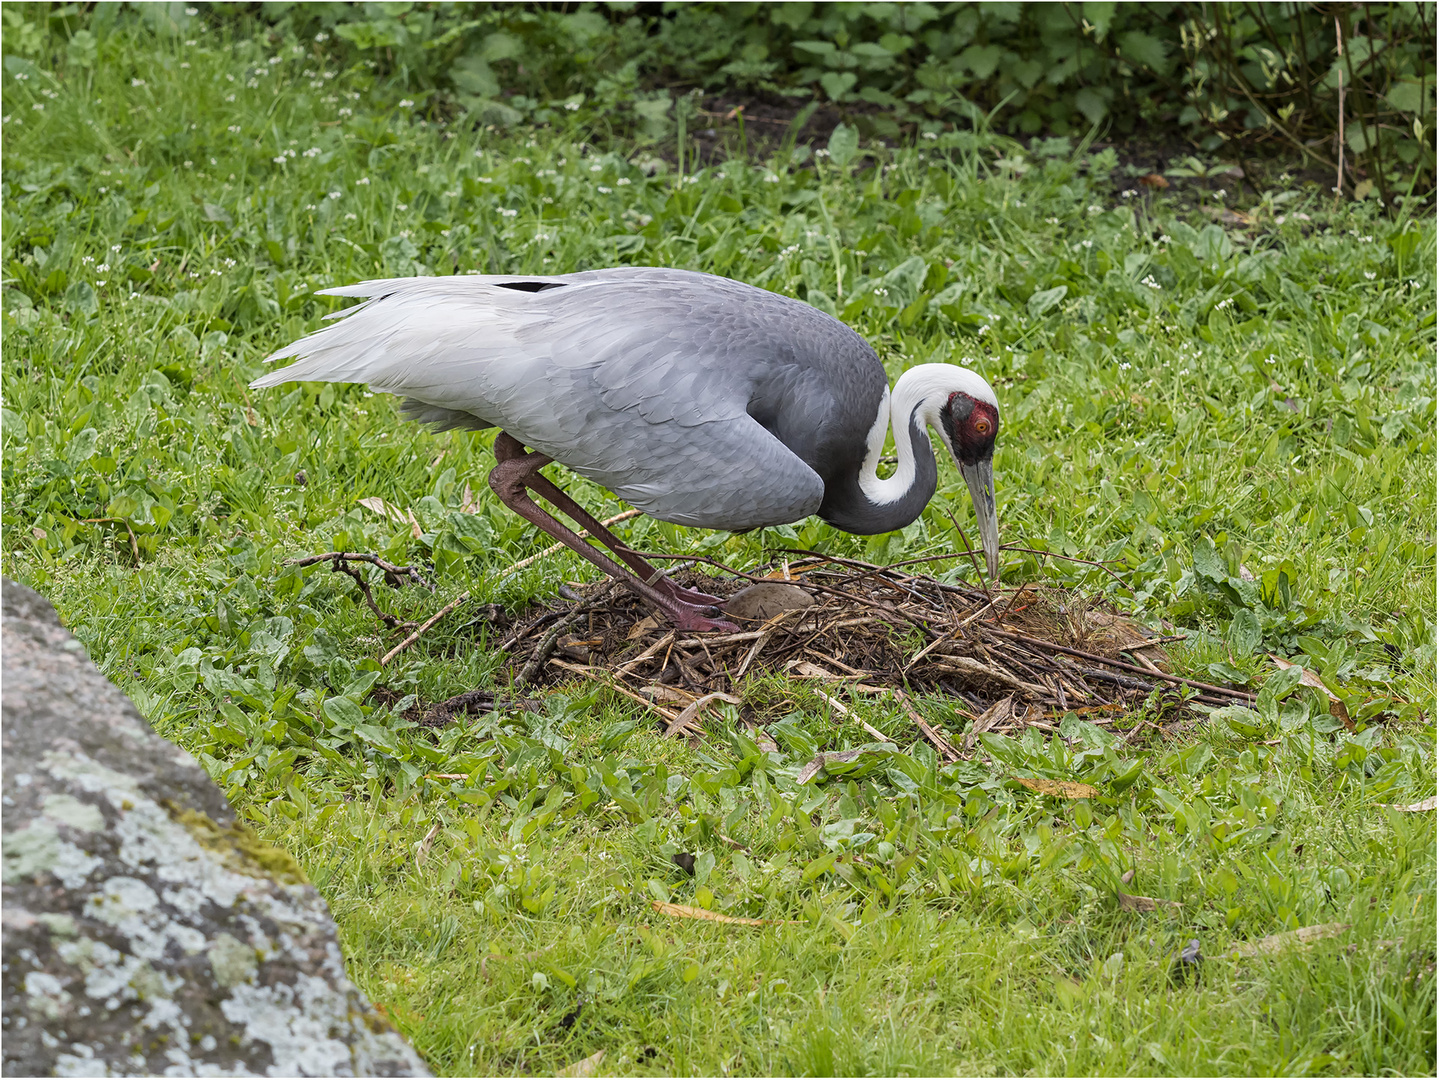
(684, 911)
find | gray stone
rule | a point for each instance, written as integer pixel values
(147, 932)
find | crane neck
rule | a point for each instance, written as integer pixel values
(875, 504)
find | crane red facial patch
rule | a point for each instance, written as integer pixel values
(971, 426)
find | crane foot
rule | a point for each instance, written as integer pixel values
(696, 618)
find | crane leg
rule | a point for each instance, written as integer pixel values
(508, 448)
(514, 474)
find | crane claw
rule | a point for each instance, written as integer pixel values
(697, 618)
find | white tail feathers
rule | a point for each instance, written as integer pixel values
(406, 322)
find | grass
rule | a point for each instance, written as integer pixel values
(1243, 420)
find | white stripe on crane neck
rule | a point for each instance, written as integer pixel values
(926, 388)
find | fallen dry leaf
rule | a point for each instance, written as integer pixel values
(585, 1066)
(1308, 678)
(384, 509)
(1154, 180)
(1064, 789)
(684, 723)
(803, 669)
(1430, 803)
(469, 503)
(1274, 943)
(666, 695)
(643, 627)
(422, 851)
(1145, 903)
(762, 738)
(684, 911)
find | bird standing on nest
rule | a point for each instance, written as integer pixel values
(697, 399)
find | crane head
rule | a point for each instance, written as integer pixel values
(969, 424)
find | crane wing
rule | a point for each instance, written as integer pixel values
(644, 340)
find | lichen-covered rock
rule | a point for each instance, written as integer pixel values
(146, 931)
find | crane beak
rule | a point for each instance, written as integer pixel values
(980, 478)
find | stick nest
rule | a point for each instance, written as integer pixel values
(1016, 656)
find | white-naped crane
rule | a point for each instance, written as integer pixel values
(698, 400)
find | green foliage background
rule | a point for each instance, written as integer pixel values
(1242, 418)
(1242, 77)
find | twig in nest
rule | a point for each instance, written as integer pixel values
(1223, 691)
(393, 573)
(840, 708)
(599, 675)
(436, 617)
(547, 643)
(936, 739)
(134, 544)
(695, 558)
(978, 573)
(1067, 558)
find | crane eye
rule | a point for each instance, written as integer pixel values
(981, 426)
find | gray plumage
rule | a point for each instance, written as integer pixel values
(697, 399)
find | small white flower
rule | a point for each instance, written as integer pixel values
(604, 190)
(1129, 194)
(38, 107)
(406, 103)
(1086, 244)
(363, 180)
(351, 217)
(505, 211)
(229, 262)
(273, 60)
(189, 164)
(314, 151)
(1228, 301)
(1149, 280)
(452, 194)
(334, 194)
(597, 168)
(1370, 275)
(102, 268)
(192, 12)
(345, 111)
(1096, 209)
(1124, 367)
(114, 247)
(930, 135)
(1051, 221)
(572, 105)
(137, 82)
(1366, 239)
(100, 281)
(278, 159)
(1164, 238)
(184, 63)
(623, 181)
(486, 180)
(402, 206)
(311, 206)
